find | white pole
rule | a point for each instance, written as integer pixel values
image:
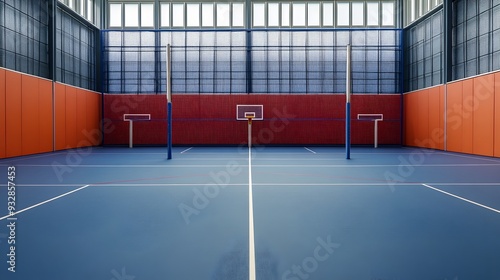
(376, 134)
(169, 72)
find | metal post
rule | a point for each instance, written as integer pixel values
(169, 103)
(250, 133)
(375, 134)
(348, 105)
(130, 133)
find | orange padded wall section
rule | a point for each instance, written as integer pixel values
(483, 116)
(45, 117)
(423, 114)
(497, 115)
(13, 125)
(60, 118)
(467, 115)
(29, 120)
(2, 113)
(454, 117)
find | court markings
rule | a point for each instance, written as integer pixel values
(461, 198)
(310, 150)
(257, 165)
(251, 231)
(186, 150)
(46, 201)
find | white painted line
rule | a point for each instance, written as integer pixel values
(469, 156)
(46, 201)
(251, 232)
(186, 150)
(257, 165)
(310, 150)
(461, 198)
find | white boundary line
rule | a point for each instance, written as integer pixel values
(251, 232)
(310, 150)
(186, 150)
(46, 201)
(478, 157)
(257, 165)
(461, 198)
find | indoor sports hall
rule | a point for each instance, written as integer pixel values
(250, 139)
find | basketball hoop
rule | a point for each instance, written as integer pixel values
(250, 116)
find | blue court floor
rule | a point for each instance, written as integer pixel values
(130, 214)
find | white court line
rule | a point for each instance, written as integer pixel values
(251, 232)
(46, 201)
(186, 150)
(257, 165)
(310, 150)
(468, 156)
(461, 198)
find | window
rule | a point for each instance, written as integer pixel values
(238, 15)
(147, 15)
(193, 15)
(259, 11)
(299, 14)
(165, 15)
(131, 15)
(273, 14)
(177, 15)
(115, 15)
(207, 17)
(372, 14)
(358, 14)
(223, 15)
(313, 15)
(343, 14)
(328, 14)
(285, 14)
(388, 14)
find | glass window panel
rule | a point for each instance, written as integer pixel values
(299, 14)
(358, 14)
(223, 14)
(147, 15)
(193, 15)
(343, 14)
(259, 14)
(328, 14)
(178, 15)
(115, 15)
(313, 15)
(131, 15)
(238, 14)
(207, 18)
(273, 14)
(372, 15)
(388, 14)
(165, 15)
(285, 14)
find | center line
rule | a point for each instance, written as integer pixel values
(310, 150)
(461, 198)
(251, 243)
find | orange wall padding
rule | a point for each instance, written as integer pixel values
(2, 113)
(27, 115)
(45, 116)
(211, 119)
(497, 115)
(423, 114)
(484, 115)
(472, 116)
(13, 125)
(29, 120)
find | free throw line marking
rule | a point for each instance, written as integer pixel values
(46, 201)
(251, 242)
(186, 150)
(461, 198)
(310, 150)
